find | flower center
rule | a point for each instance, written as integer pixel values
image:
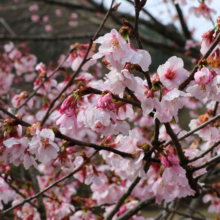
(201, 78)
(115, 44)
(170, 74)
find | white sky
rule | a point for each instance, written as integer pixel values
(164, 12)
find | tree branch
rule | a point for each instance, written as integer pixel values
(182, 22)
(45, 37)
(177, 144)
(215, 159)
(49, 187)
(127, 193)
(41, 208)
(142, 204)
(19, 193)
(89, 90)
(191, 76)
(80, 66)
(72, 141)
(194, 130)
(205, 152)
(45, 79)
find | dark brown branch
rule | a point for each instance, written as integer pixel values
(68, 4)
(155, 140)
(182, 214)
(127, 193)
(147, 76)
(89, 90)
(194, 130)
(215, 109)
(19, 193)
(95, 146)
(41, 208)
(215, 159)
(132, 94)
(191, 76)
(80, 66)
(45, 37)
(78, 142)
(176, 142)
(49, 187)
(182, 22)
(21, 122)
(142, 204)
(205, 152)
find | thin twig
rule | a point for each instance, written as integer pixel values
(182, 22)
(7, 27)
(80, 66)
(205, 164)
(72, 141)
(49, 187)
(41, 208)
(89, 90)
(194, 210)
(19, 193)
(191, 76)
(194, 130)
(142, 204)
(132, 95)
(205, 152)
(127, 193)
(35, 91)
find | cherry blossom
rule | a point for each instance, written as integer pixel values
(172, 73)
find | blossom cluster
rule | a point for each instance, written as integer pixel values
(106, 132)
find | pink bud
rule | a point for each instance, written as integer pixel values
(203, 76)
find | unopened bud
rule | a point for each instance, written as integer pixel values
(127, 23)
(142, 4)
(125, 31)
(115, 8)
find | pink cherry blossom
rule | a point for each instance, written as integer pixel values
(202, 10)
(35, 18)
(172, 73)
(33, 8)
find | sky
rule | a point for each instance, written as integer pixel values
(165, 11)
